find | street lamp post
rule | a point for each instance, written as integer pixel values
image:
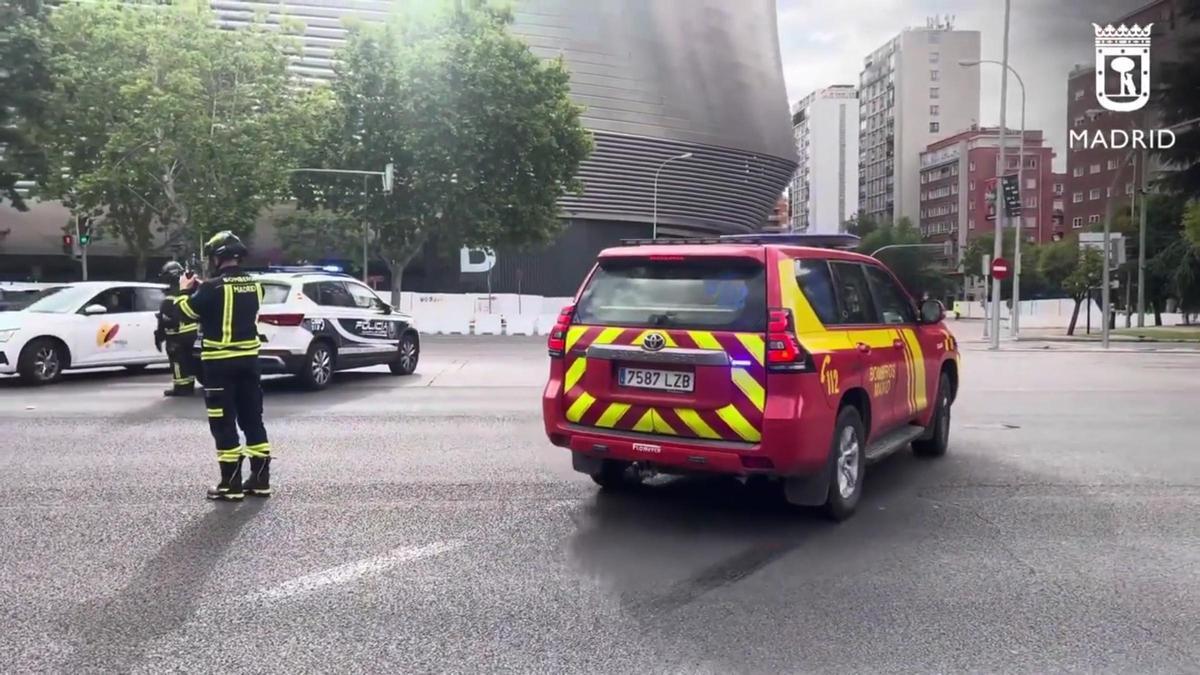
(997, 250)
(1014, 323)
(654, 220)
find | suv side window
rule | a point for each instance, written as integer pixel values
(117, 300)
(894, 307)
(329, 294)
(364, 298)
(816, 283)
(854, 294)
(276, 294)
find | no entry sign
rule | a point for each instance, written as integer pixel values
(1000, 268)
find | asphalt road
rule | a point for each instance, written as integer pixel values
(424, 524)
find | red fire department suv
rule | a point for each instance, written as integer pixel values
(774, 355)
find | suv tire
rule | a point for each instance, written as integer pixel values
(936, 440)
(847, 464)
(317, 370)
(41, 361)
(409, 350)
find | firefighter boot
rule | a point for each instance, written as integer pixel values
(258, 484)
(180, 390)
(230, 487)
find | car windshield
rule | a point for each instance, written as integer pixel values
(61, 300)
(725, 294)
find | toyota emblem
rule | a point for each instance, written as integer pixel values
(654, 342)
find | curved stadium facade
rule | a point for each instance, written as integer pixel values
(656, 79)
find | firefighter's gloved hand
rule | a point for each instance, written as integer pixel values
(158, 340)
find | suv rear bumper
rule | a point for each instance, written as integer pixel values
(795, 441)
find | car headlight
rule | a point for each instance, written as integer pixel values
(7, 333)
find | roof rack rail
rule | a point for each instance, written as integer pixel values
(836, 241)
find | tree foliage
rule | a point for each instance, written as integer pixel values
(1178, 100)
(309, 236)
(23, 79)
(482, 134)
(164, 126)
(914, 267)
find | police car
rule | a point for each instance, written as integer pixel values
(316, 322)
(82, 325)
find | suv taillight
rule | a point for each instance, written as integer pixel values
(282, 319)
(784, 353)
(557, 342)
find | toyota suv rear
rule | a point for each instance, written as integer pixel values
(778, 356)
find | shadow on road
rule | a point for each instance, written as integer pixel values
(85, 377)
(663, 545)
(111, 634)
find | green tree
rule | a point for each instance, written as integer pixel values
(1177, 98)
(165, 126)
(23, 79)
(483, 135)
(1179, 266)
(1191, 223)
(315, 235)
(1056, 262)
(916, 268)
(1086, 275)
(860, 225)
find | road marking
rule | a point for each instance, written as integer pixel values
(356, 570)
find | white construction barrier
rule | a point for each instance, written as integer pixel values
(488, 324)
(520, 324)
(479, 313)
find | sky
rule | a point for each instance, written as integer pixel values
(823, 42)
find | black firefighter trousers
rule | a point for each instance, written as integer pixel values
(233, 397)
(184, 367)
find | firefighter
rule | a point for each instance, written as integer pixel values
(226, 307)
(178, 334)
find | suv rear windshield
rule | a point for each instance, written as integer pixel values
(711, 294)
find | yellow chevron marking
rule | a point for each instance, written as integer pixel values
(661, 426)
(573, 335)
(574, 373)
(705, 340)
(696, 423)
(646, 424)
(608, 336)
(580, 406)
(750, 387)
(754, 344)
(612, 415)
(666, 338)
(734, 419)
(918, 356)
(802, 312)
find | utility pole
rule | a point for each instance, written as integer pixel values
(997, 248)
(1141, 264)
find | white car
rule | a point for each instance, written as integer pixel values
(315, 323)
(91, 324)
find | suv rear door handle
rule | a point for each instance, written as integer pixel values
(863, 347)
(898, 343)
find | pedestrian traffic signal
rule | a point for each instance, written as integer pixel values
(68, 241)
(85, 238)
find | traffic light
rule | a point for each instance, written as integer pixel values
(85, 237)
(1012, 196)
